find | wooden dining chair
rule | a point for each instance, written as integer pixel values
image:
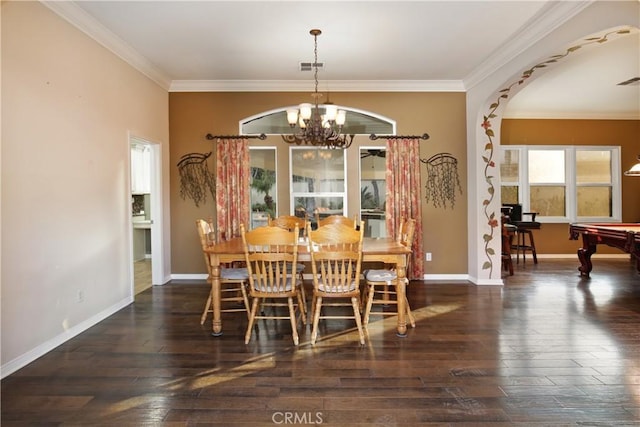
(340, 219)
(336, 259)
(233, 281)
(290, 222)
(270, 253)
(382, 284)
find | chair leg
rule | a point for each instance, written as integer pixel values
(412, 320)
(252, 319)
(245, 299)
(316, 318)
(533, 247)
(304, 294)
(207, 309)
(301, 303)
(313, 308)
(385, 295)
(355, 302)
(367, 310)
(294, 321)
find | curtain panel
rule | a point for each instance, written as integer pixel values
(232, 186)
(403, 195)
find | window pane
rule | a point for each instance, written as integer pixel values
(593, 166)
(510, 166)
(323, 206)
(509, 194)
(594, 201)
(373, 191)
(262, 164)
(357, 122)
(317, 170)
(546, 166)
(548, 200)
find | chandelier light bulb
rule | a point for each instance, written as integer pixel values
(292, 117)
(305, 111)
(330, 112)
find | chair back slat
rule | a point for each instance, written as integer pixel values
(270, 253)
(336, 255)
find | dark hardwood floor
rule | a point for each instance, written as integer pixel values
(548, 349)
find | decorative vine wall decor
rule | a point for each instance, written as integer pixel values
(493, 219)
(442, 179)
(195, 178)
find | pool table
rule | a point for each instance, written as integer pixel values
(624, 236)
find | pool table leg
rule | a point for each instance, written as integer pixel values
(584, 255)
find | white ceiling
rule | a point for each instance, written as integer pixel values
(365, 45)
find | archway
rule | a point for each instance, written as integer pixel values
(483, 142)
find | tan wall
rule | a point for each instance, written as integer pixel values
(68, 107)
(441, 115)
(553, 238)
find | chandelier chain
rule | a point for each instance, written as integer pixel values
(315, 63)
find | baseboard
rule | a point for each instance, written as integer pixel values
(575, 256)
(440, 277)
(189, 277)
(28, 357)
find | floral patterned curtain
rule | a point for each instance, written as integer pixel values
(232, 186)
(403, 195)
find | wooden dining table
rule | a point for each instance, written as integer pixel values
(385, 250)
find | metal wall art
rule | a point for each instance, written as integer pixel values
(195, 178)
(442, 179)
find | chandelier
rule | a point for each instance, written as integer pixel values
(312, 126)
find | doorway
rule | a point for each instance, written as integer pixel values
(145, 214)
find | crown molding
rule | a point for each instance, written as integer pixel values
(576, 115)
(304, 86)
(80, 19)
(552, 16)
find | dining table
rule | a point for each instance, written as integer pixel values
(385, 250)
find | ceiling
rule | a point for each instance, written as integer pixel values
(365, 45)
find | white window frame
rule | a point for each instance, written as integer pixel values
(294, 194)
(570, 182)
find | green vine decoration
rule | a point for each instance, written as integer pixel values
(493, 221)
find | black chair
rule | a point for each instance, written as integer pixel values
(508, 231)
(524, 230)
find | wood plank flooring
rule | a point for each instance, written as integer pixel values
(548, 349)
(141, 275)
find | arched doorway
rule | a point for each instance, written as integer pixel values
(486, 105)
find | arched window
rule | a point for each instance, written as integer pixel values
(359, 122)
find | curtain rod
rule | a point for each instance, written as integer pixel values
(262, 136)
(373, 136)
